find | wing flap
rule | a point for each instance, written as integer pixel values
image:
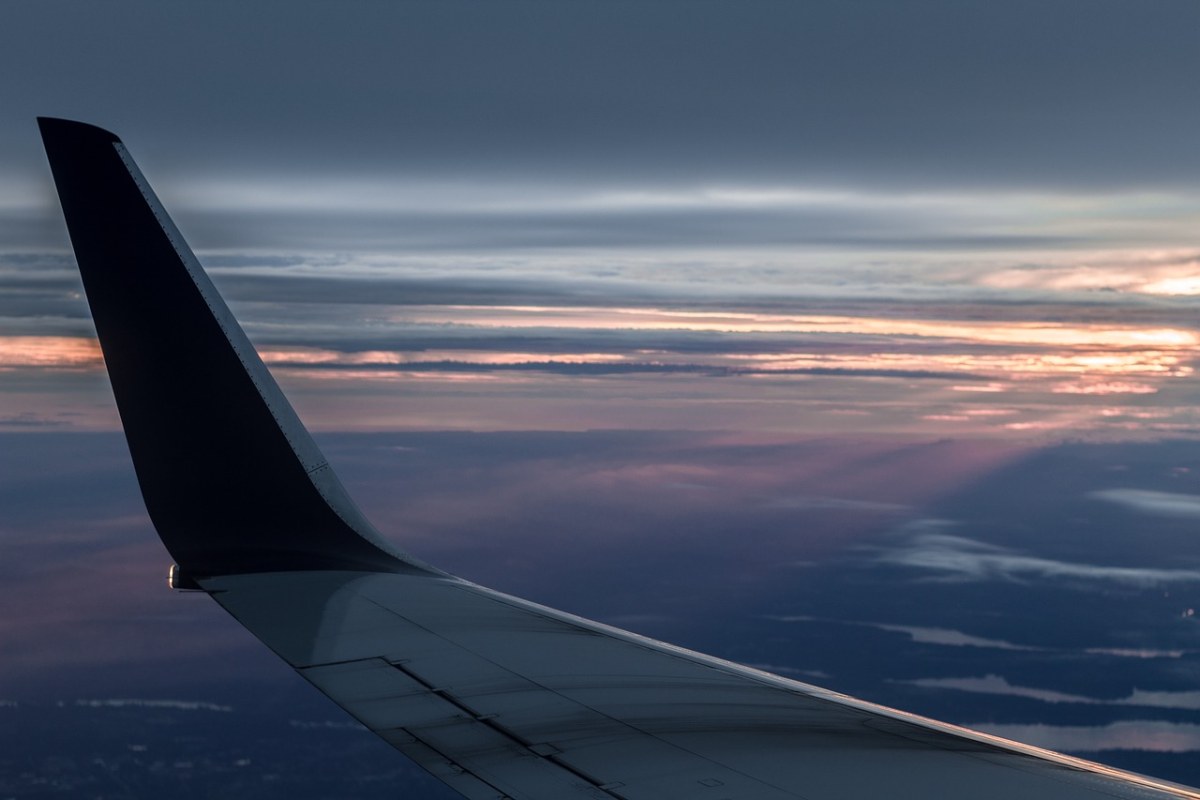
(412, 716)
(442, 768)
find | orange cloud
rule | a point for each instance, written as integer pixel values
(1104, 387)
(49, 352)
(1018, 333)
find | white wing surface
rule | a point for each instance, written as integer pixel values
(496, 696)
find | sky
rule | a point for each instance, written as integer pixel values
(932, 218)
(737, 268)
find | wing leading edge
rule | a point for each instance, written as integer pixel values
(496, 696)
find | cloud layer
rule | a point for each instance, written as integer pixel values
(960, 558)
(996, 684)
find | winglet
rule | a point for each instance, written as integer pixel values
(231, 478)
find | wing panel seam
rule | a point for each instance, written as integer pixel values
(597, 712)
(489, 721)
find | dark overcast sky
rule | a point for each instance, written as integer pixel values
(932, 92)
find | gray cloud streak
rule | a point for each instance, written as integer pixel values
(961, 558)
(996, 684)
(1159, 504)
(924, 635)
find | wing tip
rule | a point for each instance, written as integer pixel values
(59, 131)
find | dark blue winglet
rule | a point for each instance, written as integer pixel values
(232, 480)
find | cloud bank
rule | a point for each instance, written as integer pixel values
(961, 558)
(996, 684)
(1159, 504)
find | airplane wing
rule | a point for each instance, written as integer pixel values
(496, 696)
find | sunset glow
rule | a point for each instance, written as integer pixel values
(1169, 273)
(1030, 333)
(840, 365)
(49, 352)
